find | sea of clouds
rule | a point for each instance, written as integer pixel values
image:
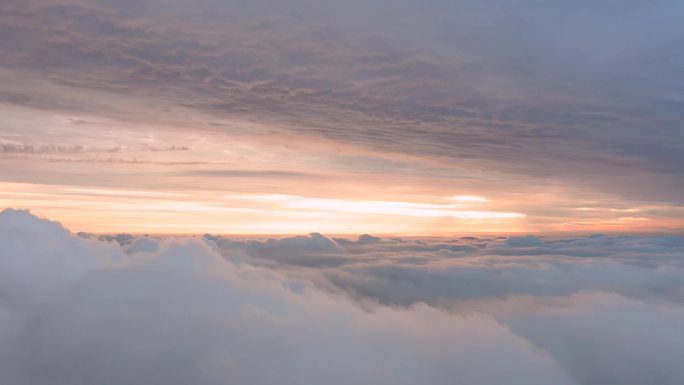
(81, 309)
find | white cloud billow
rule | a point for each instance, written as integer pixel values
(476, 311)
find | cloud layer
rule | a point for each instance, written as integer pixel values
(521, 97)
(317, 310)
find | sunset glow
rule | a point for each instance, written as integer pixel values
(290, 139)
(357, 192)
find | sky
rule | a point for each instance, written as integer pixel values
(386, 117)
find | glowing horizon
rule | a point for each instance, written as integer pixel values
(139, 211)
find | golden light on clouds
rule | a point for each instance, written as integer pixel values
(409, 209)
(195, 181)
(469, 198)
(107, 210)
(377, 123)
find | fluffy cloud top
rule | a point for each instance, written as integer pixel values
(213, 310)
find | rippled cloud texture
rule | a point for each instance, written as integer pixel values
(567, 113)
(76, 309)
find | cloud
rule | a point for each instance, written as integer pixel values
(312, 250)
(453, 273)
(529, 240)
(586, 333)
(223, 173)
(516, 88)
(368, 239)
(163, 310)
(142, 245)
(184, 314)
(12, 148)
(39, 256)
